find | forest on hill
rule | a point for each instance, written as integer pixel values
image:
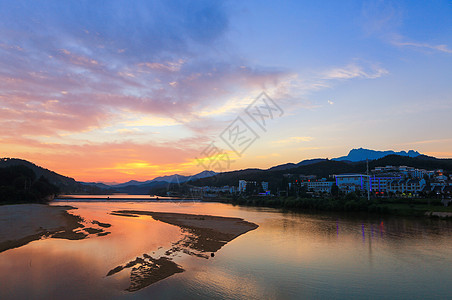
(19, 184)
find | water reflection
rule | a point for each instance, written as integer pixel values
(290, 256)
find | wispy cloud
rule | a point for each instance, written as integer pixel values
(355, 71)
(428, 142)
(162, 67)
(441, 48)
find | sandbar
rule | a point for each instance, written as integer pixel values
(203, 234)
(21, 224)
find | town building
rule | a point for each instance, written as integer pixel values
(212, 190)
(406, 185)
(242, 186)
(380, 184)
(307, 177)
(352, 182)
(402, 171)
(440, 187)
(318, 186)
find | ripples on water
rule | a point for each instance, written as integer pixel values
(290, 256)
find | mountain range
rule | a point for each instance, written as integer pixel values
(353, 162)
(322, 169)
(63, 182)
(176, 178)
(361, 154)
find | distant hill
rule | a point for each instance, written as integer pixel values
(140, 189)
(66, 184)
(176, 178)
(361, 154)
(159, 183)
(96, 184)
(420, 162)
(323, 169)
(292, 165)
(70, 185)
(355, 155)
(181, 178)
(19, 184)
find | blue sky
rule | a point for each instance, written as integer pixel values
(109, 90)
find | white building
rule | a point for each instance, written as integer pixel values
(412, 186)
(321, 186)
(380, 184)
(242, 186)
(352, 182)
(402, 171)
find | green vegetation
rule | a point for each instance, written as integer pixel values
(322, 169)
(18, 184)
(349, 203)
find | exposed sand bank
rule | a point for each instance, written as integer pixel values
(439, 214)
(23, 223)
(203, 234)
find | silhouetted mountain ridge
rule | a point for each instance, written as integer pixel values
(322, 168)
(362, 154)
(63, 182)
(176, 178)
(292, 165)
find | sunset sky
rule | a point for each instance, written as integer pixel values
(118, 90)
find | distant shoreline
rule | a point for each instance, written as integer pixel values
(394, 207)
(120, 197)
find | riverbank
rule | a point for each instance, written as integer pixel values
(21, 224)
(383, 206)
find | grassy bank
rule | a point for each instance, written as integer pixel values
(395, 206)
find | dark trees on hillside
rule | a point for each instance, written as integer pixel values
(18, 184)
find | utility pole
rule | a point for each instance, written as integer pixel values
(368, 180)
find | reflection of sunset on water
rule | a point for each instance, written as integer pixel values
(290, 255)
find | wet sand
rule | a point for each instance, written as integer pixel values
(203, 234)
(21, 224)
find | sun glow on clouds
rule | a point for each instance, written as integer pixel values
(110, 161)
(141, 89)
(110, 136)
(294, 139)
(150, 121)
(133, 167)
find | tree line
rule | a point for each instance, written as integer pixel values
(19, 184)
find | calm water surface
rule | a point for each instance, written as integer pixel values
(290, 256)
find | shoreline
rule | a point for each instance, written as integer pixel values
(202, 234)
(378, 207)
(21, 224)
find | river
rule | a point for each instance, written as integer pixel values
(289, 256)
